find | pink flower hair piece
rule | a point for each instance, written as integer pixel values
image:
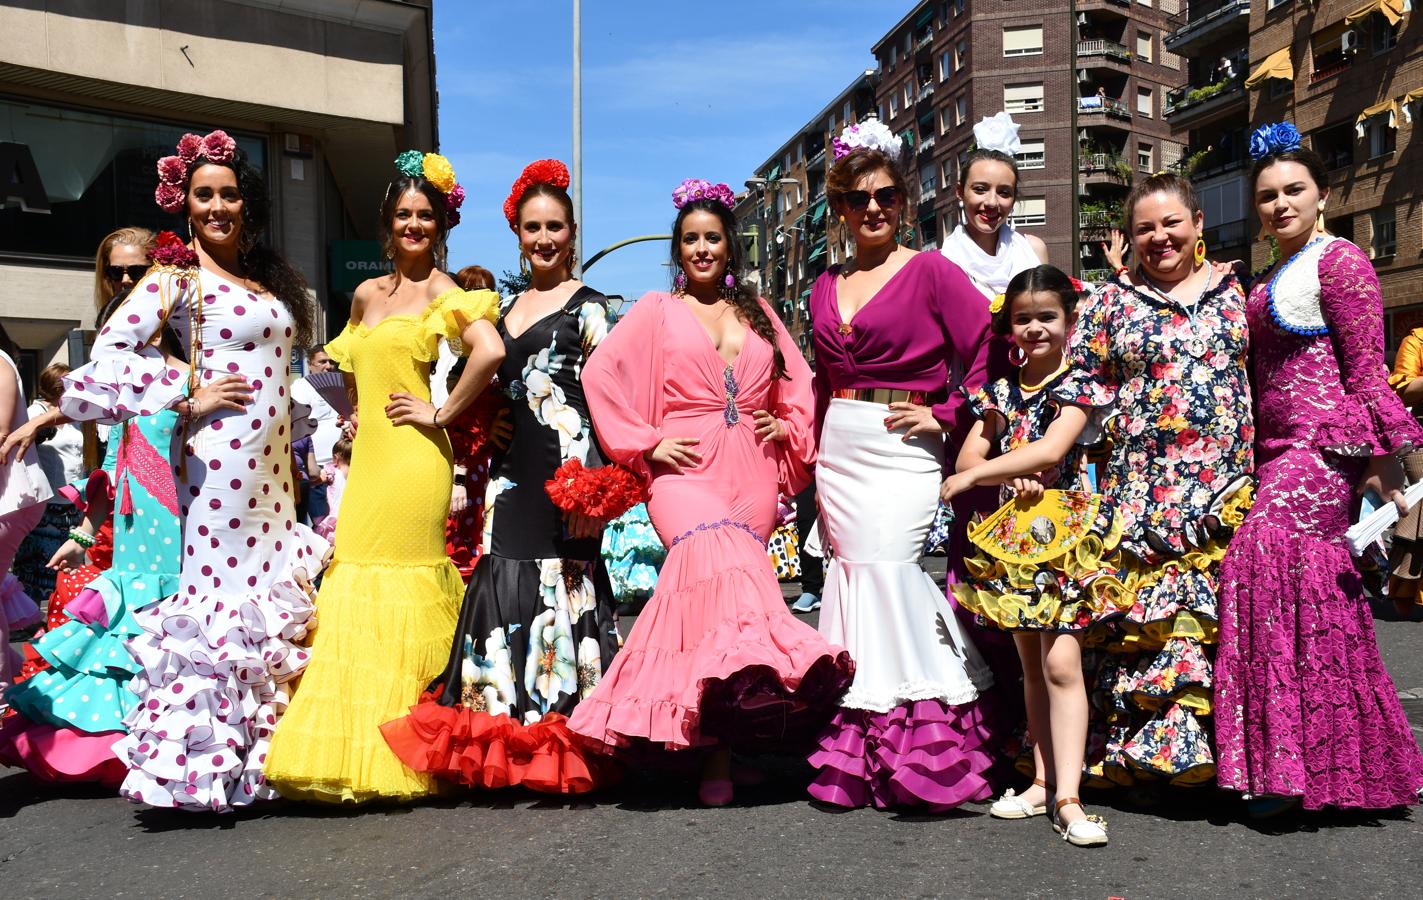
(170, 196)
(172, 170)
(694, 189)
(190, 147)
(219, 147)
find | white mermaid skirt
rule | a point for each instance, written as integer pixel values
(878, 494)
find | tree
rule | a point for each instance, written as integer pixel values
(511, 284)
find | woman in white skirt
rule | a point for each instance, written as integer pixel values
(891, 326)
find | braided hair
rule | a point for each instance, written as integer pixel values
(741, 296)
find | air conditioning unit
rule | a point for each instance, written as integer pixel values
(1349, 41)
(1081, 18)
(1082, 75)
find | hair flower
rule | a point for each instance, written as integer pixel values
(998, 132)
(454, 199)
(995, 306)
(169, 196)
(190, 147)
(172, 170)
(1273, 138)
(411, 163)
(169, 250)
(871, 134)
(541, 171)
(694, 189)
(219, 147)
(438, 171)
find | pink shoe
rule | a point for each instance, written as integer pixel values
(715, 792)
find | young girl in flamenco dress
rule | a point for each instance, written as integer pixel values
(1038, 572)
(1307, 714)
(703, 394)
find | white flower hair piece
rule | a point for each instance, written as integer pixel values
(998, 132)
(871, 134)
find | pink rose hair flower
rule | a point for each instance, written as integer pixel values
(172, 170)
(700, 189)
(219, 147)
(190, 147)
(170, 197)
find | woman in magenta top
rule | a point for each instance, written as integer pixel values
(894, 331)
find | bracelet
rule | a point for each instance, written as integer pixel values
(435, 419)
(1121, 270)
(82, 538)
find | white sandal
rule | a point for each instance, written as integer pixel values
(1090, 831)
(1011, 806)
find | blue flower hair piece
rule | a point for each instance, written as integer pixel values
(411, 163)
(1273, 138)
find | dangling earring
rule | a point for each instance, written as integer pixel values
(729, 285)
(190, 229)
(680, 282)
(523, 263)
(1200, 251)
(1017, 356)
(842, 219)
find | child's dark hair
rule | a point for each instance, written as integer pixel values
(1044, 278)
(341, 450)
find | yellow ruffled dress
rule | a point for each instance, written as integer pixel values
(390, 597)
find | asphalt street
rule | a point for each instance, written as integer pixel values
(649, 838)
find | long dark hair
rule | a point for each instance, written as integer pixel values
(259, 261)
(742, 296)
(168, 342)
(1039, 279)
(393, 192)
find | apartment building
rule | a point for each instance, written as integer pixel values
(1349, 74)
(320, 95)
(1087, 82)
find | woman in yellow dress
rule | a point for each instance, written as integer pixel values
(389, 600)
(1405, 556)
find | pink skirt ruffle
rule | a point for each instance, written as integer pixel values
(716, 658)
(924, 753)
(61, 754)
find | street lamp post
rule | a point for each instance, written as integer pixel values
(578, 133)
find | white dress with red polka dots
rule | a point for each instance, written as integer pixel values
(215, 657)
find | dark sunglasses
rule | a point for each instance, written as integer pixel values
(117, 273)
(885, 198)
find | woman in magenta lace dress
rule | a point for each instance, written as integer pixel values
(1305, 710)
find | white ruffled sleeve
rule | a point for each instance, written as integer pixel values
(126, 376)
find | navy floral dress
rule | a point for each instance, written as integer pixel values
(1181, 433)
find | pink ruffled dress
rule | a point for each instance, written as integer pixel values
(1304, 706)
(715, 658)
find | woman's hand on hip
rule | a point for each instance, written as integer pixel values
(913, 418)
(407, 409)
(768, 427)
(674, 453)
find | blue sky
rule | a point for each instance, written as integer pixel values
(670, 91)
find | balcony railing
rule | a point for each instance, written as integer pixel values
(927, 144)
(1096, 275)
(927, 194)
(1096, 219)
(1189, 30)
(1330, 70)
(1106, 48)
(1187, 96)
(1105, 105)
(926, 91)
(924, 41)
(1093, 162)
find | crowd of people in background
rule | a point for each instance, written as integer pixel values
(404, 571)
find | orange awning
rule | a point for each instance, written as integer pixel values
(1276, 65)
(1387, 107)
(1392, 10)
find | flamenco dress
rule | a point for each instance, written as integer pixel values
(715, 659)
(1040, 566)
(70, 714)
(24, 488)
(1305, 706)
(1171, 382)
(913, 730)
(469, 441)
(634, 554)
(215, 659)
(388, 600)
(536, 630)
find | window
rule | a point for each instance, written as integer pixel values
(958, 7)
(1280, 88)
(1144, 2)
(1022, 40)
(1271, 4)
(1020, 98)
(1383, 139)
(1030, 211)
(946, 173)
(1335, 144)
(1144, 104)
(1385, 241)
(845, 113)
(1143, 45)
(946, 120)
(1224, 202)
(1385, 36)
(908, 95)
(960, 55)
(1032, 155)
(893, 105)
(1144, 158)
(946, 65)
(893, 55)
(961, 109)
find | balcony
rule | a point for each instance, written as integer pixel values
(927, 194)
(1096, 276)
(1191, 107)
(1192, 34)
(1096, 219)
(1101, 168)
(926, 91)
(1091, 109)
(1226, 235)
(1103, 50)
(927, 144)
(1329, 70)
(817, 161)
(1116, 8)
(924, 40)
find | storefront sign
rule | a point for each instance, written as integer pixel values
(23, 184)
(352, 262)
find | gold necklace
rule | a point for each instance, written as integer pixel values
(1034, 388)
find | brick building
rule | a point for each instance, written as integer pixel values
(786, 207)
(1087, 83)
(1349, 74)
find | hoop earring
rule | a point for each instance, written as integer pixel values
(523, 263)
(572, 260)
(1200, 251)
(1017, 356)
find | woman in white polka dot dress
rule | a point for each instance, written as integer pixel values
(216, 658)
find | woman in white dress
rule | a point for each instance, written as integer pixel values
(216, 657)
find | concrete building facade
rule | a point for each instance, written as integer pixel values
(322, 94)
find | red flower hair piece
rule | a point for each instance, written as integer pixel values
(542, 171)
(603, 493)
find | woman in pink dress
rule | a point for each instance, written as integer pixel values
(704, 395)
(1306, 712)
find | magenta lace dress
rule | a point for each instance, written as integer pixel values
(1304, 707)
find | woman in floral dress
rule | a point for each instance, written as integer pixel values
(1308, 714)
(1164, 346)
(536, 628)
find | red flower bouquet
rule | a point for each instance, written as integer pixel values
(603, 493)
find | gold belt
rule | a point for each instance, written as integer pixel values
(881, 395)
